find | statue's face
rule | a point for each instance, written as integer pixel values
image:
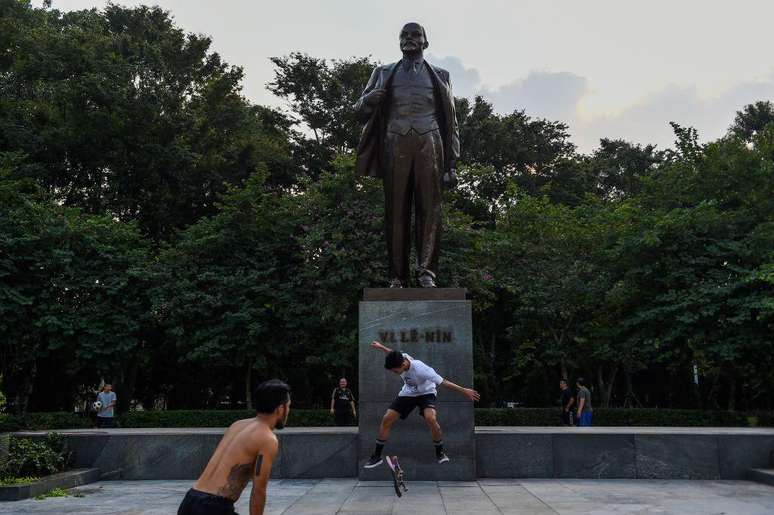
(412, 38)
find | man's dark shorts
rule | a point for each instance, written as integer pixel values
(202, 503)
(405, 405)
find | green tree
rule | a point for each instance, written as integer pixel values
(498, 151)
(321, 95)
(751, 120)
(222, 288)
(544, 255)
(71, 293)
(125, 114)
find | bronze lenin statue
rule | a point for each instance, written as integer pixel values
(411, 140)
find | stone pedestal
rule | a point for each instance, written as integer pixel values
(434, 326)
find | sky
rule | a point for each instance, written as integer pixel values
(607, 68)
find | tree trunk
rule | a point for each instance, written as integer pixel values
(606, 387)
(125, 388)
(712, 395)
(601, 384)
(696, 384)
(631, 400)
(248, 386)
(496, 385)
(610, 383)
(563, 371)
(26, 385)
(731, 392)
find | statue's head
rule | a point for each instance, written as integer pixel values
(413, 38)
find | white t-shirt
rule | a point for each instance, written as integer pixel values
(419, 379)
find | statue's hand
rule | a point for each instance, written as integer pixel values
(375, 97)
(449, 179)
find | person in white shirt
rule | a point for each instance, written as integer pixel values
(419, 391)
(107, 398)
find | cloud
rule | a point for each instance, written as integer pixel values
(465, 81)
(553, 95)
(647, 120)
(558, 95)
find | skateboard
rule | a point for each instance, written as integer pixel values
(397, 475)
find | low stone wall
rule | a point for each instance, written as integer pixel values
(621, 453)
(501, 452)
(69, 479)
(183, 453)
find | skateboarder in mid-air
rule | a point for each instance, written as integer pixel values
(419, 391)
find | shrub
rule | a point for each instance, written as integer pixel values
(43, 421)
(321, 417)
(217, 418)
(2, 395)
(37, 457)
(5, 448)
(627, 417)
(517, 417)
(15, 481)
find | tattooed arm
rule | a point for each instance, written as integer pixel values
(261, 473)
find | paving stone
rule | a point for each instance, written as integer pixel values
(514, 499)
(506, 497)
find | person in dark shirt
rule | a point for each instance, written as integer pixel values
(568, 399)
(343, 404)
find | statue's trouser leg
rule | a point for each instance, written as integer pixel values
(428, 169)
(398, 189)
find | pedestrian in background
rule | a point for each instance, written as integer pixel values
(343, 404)
(568, 399)
(584, 404)
(105, 412)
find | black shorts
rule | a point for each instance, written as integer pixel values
(202, 503)
(405, 405)
(343, 418)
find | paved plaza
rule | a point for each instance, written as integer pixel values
(349, 496)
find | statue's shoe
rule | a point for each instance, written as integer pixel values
(396, 283)
(426, 281)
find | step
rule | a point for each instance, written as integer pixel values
(69, 479)
(765, 476)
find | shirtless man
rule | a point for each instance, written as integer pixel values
(246, 452)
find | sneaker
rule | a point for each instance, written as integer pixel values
(443, 458)
(373, 461)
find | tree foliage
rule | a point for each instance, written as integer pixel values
(124, 114)
(160, 231)
(321, 94)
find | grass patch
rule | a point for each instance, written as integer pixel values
(56, 492)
